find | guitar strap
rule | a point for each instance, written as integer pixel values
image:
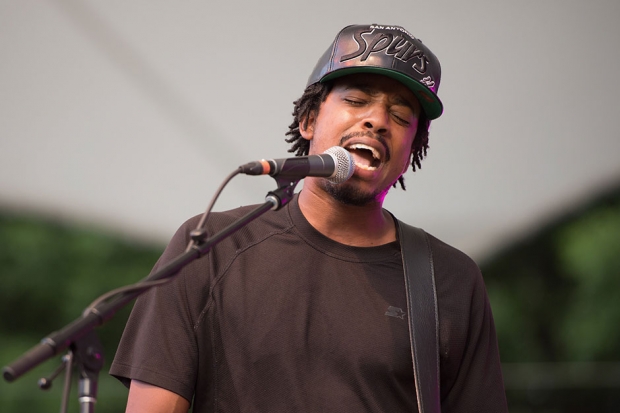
(422, 312)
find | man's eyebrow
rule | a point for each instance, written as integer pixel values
(371, 91)
(363, 86)
(400, 100)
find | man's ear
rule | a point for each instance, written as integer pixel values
(306, 127)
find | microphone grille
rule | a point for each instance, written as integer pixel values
(344, 164)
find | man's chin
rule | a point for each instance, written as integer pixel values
(351, 195)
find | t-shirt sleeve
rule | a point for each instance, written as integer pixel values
(158, 345)
(471, 376)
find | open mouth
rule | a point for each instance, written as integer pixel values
(364, 156)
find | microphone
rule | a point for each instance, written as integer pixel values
(335, 164)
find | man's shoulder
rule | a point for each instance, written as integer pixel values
(445, 251)
(268, 223)
(449, 261)
(442, 250)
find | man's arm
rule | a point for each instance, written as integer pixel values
(144, 397)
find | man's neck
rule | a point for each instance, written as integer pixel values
(361, 226)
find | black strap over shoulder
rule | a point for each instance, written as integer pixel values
(423, 318)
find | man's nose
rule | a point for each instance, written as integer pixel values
(377, 119)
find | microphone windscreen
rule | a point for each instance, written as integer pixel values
(344, 164)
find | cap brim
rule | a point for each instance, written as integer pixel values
(430, 103)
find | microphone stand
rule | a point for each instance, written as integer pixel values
(85, 349)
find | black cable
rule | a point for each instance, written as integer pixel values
(145, 284)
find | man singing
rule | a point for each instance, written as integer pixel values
(305, 308)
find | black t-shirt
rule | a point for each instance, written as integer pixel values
(279, 318)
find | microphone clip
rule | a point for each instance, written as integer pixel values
(285, 192)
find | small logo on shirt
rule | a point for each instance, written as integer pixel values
(395, 312)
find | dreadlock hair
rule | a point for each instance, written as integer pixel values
(310, 102)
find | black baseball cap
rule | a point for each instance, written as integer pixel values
(387, 50)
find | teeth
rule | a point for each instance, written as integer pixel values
(366, 167)
(375, 153)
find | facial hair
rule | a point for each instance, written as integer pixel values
(350, 194)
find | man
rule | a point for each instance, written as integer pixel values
(304, 309)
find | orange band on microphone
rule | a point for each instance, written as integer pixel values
(266, 166)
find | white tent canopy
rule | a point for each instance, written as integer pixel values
(129, 115)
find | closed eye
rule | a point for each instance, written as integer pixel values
(354, 102)
(403, 120)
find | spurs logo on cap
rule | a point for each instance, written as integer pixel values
(398, 46)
